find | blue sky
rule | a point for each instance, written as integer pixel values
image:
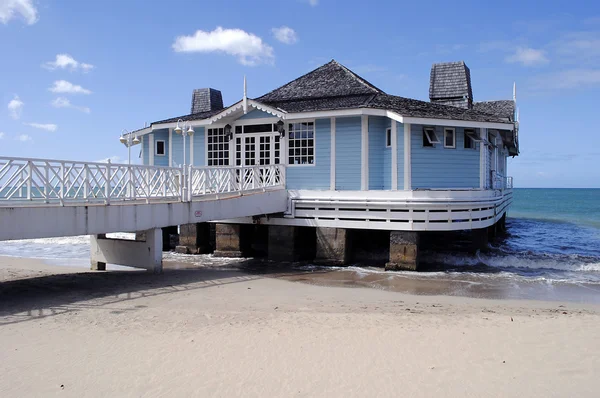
(75, 73)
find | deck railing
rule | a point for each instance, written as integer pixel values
(63, 181)
(500, 181)
(215, 180)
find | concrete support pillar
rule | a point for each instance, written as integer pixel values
(479, 239)
(502, 223)
(228, 240)
(194, 238)
(404, 251)
(133, 253)
(99, 265)
(284, 243)
(332, 246)
(493, 231)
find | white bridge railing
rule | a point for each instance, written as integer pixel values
(30, 181)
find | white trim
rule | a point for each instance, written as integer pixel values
(438, 210)
(482, 155)
(142, 150)
(171, 147)
(332, 167)
(337, 113)
(287, 139)
(459, 123)
(151, 149)
(453, 130)
(407, 157)
(364, 158)
(394, 134)
(242, 105)
(431, 135)
(156, 148)
(472, 135)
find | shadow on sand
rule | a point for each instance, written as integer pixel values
(40, 297)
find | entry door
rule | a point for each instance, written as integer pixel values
(257, 150)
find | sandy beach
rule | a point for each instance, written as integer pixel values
(226, 332)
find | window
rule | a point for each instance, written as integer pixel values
(218, 147)
(388, 137)
(301, 143)
(470, 139)
(449, 138)
(159, 150)
(430, 137)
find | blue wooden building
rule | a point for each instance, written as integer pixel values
(355, 157)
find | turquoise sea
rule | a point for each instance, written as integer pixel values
(553, 236)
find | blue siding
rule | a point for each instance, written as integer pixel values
(256, 114)
(315, 176)
(348, 153)
(145, 158)
(387, 161)
(377, 137)
(161, 135)
(400, 145)
(199, 147)
(440, 167)
(177, 148)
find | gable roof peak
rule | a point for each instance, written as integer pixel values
(330, 80)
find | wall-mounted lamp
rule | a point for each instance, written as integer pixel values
(280, 128)
(228, 133)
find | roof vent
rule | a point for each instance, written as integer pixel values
(206, 99)
(450, 84)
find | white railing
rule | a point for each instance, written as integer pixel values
(63, 181)
(215, 180)
(500, 181)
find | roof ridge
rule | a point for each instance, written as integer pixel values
(359, 78)
(321, 97)
(298, 78)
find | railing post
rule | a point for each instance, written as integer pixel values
(47, 182)
(107, 183)
(86, 182)
(29, 177)
(189, 183)
(61, 191)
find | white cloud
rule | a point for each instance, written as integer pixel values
(568, 79)
(63, 86)
(578, 48)
(313, 3)
(23, 138)
(15, 107)
(65, 61)
(1, 135)
(247, 47)
(285, 34)
(47, 126)
(62, 102)
(10, 8)
(528, 57)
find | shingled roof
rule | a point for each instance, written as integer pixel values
(450, 82)
(329, 80)
(503, 108)
(333, 87)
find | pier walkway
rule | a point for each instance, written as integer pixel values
(42, 198)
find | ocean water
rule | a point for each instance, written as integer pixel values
(553, 237)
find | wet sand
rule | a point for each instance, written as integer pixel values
(257, 332)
